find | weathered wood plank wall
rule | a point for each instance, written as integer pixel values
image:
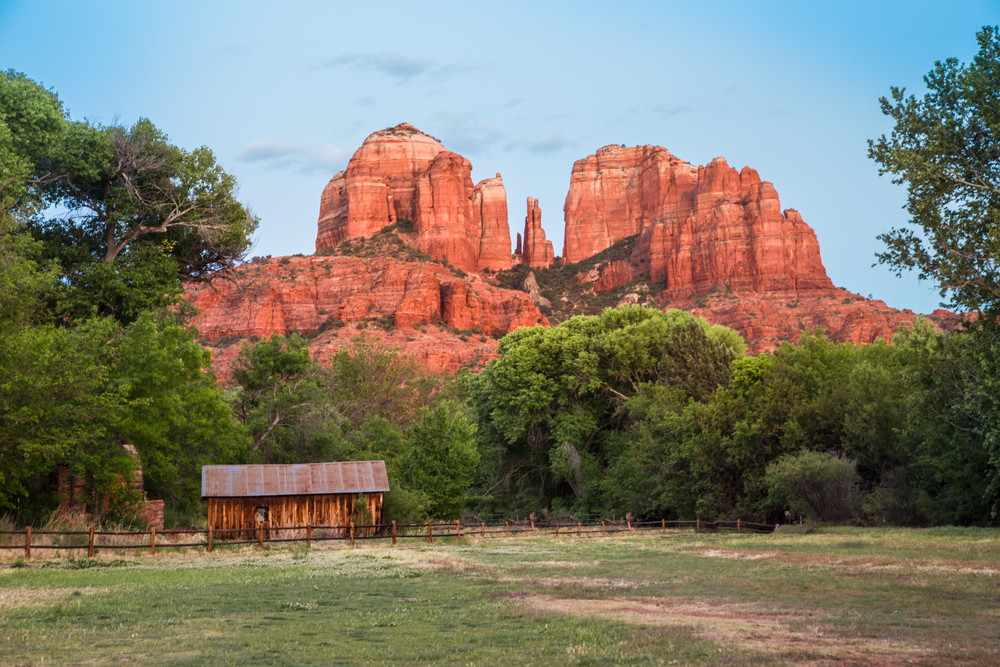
(239, 513)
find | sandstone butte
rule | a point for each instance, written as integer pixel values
(714, 241)
(403, 174)
(339, 297)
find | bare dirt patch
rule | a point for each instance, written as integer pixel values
(735, 625)
(861, 562)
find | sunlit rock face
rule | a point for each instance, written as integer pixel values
(331, 295)
(402, 174)
(698, 226)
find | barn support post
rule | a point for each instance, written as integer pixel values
(309, 536)
(393, 533)
(260, 535)
(90, 543)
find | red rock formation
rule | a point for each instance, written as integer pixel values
(402, 174)
(536, 251)
(698, 227)
(446, 228)
(612, 276)
(489, 208)
(378, 187)
(305, 294)
(766, 319)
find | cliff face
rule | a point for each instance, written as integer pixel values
(403, 174)
(534, 251)
(334, 295)
(489, 211)
(698, 227)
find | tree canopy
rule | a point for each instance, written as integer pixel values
(125, 213)
(945, 146)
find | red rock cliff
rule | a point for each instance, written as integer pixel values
(699, 226)
(403, 174)
(536, 252)
(489, 208)
(339, 294)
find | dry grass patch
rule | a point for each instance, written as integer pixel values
(737, 625)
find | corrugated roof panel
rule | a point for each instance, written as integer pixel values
(295, 479)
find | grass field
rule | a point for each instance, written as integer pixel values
(833, 597)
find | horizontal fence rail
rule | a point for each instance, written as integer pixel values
(208, 538)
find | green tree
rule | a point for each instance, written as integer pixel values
(281, 402)
(441, 461)
(819, 483)
(178, 418)
(126, 213)
(945, 147)
(550, 409)
(55, 405)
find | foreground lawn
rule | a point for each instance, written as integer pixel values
(844, 597)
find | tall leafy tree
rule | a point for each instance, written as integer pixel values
(945, 147)
(178, 418)
(441, 460)
(126, 213)
(549, 410)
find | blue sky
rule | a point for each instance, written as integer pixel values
(285, 93)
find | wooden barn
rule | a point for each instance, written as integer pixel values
(305, 494)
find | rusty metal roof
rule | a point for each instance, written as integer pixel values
(293, 480)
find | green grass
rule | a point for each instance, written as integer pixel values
(840, 596)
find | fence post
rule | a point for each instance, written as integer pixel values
(458, 529)
(697, 525)
(260, 534)
(629, 527)
(352, 534)
(27, 541)
(602, 527)
(393, 533)
(508, 528)
(737, 525)
(90, 543)
(210, 536)
(309, 536)
(664, 523)
(430, 532)
(557, 529)
(532, 526)
(152, 541)
(579, 529)
(484, 528)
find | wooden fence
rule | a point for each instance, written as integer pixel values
(208, 538)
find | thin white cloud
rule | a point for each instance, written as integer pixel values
(397, 66)
(300, 156)
(549, 144)
(466, 134)
(668, 111)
